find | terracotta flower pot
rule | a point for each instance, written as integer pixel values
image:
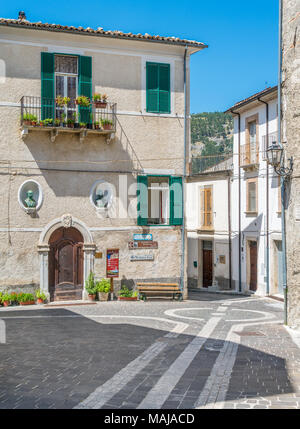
(27, 303)
(92, 297)
(107, 127)
(5, 303)
(40, 301)
(127, 298)
(100, 104)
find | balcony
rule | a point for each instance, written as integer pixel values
(267, 142)
(46, 115)
(249, 157)
(211, 163)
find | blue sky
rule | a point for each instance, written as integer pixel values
(242, 37)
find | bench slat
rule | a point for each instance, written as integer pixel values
(157, 284)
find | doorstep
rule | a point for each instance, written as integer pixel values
(277, 297)
(68, 303)
(224, 292)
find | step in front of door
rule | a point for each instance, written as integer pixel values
(67, 295)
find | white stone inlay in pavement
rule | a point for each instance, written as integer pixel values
(162, 389)
(214, 392)
(112, 386)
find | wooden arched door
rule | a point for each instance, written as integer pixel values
(66, 264)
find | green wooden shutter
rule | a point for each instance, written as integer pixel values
(85, 86)
(176, 203)
(47, 85)
(164, 88)
(152, 87)
(142, 200)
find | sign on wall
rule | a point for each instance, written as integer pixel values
(142, 237)
(141, 258)
(143, 245)
(112, 263)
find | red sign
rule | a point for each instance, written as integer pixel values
(112, 263)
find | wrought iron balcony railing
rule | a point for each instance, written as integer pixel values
(47, 114)
(249, 156)
(211, 163)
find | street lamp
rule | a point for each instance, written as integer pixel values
(275, 158)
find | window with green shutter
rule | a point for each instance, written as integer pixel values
(159, 200)
(85, 86)
(47, 85)
(158, 94)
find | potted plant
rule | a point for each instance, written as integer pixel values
(63, 120)
(82, 100)
(97, 125)
(90, 286)
(126, 294)
(82, 125)
(103, 289)
(33, 120)
(26, 299)
(40, 297)
(76, 125)
(70, 123)
(5, 299)
(57, 122)
(41, 123)
(14, 298)
(62, 101)
(106, 124)
(100, 100)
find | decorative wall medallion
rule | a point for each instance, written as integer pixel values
(30, 196)
(66, 220)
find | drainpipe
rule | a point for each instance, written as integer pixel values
(229, 230)
(267, 200)
(284, 270)
(184, 176)
(240, 237)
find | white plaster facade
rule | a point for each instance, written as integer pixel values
(218, 235)
(254, 225)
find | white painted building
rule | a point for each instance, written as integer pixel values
(208, 227)
(256, 202)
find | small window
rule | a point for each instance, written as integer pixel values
(252, 196)
(158, 88)
(206, 212)
(158, 200)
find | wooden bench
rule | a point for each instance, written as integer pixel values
(155, 289)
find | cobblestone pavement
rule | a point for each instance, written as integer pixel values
(211, 351)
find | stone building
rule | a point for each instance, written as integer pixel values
(290, 137)
(80, 180)
(256, 198)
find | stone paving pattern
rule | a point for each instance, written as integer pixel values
(79, 356)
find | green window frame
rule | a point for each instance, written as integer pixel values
(175, 200)
(48, 82)
(158, 88)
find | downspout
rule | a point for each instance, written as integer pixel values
(239, 179)
(184, 176)
(282, 179)
(267, 200)
(229, 231)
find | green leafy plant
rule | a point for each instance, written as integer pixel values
(40, 295)
(90, 284)
(82, 124)
(127, 293)
(62, 101)
(97, 96)
(57, 122)
(106, 122)
(28, 117)
(26, 297)
(82, 100)
(103, 286)
(5, 297)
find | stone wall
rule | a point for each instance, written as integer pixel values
(291, 140)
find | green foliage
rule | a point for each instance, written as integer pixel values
(103, 286)
(82, 100)
(26, 297)
(40, 295)
(90, 284)
(128, 293)
(5, 297)
(29, 117)
(212, 139)
(106, 122)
